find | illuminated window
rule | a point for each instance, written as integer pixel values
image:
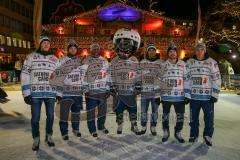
(191, 24)
(9, 41)
(2, 39)
(24, 44)
(19, 43)
(28, 44)
(14, 42)
(184, 24)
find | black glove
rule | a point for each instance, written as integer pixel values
(108, 95)
(213, 99)
(58, 98)
(138, 87)
(186, 100)
(28, 100)
(113, 89)
(157, 101)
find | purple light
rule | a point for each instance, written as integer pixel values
(119, 12)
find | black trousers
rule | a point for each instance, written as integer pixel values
(179, 110)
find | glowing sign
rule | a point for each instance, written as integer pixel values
(119, 12)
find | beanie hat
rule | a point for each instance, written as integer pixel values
(43, 38)
(201, 45)
(171, 46)
(94, 46)
(151, 46)
(72, 43)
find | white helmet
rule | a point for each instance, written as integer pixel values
(127, 34)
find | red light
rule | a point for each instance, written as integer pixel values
(60, 30)
(153, 25)
(82, 22)
(85, 52)
(60, 53)
(107, 54)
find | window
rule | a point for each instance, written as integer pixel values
(19, 43)
(28, 44)
(9, 41)
(23, 11)
(24, 44)
(6, 4)
(6, 21)
(18, 8)
(27, 13)
(14, 42)
(13, 5)
(1, 20)
(2, 40)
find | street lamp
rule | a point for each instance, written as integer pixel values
(234, 56)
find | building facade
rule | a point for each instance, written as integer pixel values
(100, 24)
(16, 29)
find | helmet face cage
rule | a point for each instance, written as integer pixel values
(126, 41)
(126, 46)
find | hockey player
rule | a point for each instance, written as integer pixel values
(98, 80)
(36, 71)
(125, 76)
(173, 93)
(204, 86)
(72, 91)
(150, 70)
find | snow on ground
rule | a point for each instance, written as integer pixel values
(16, 141)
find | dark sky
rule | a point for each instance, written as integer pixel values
(185, 9)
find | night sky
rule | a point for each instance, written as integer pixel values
(184, 9)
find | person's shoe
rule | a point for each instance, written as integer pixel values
(208, 140)
(65, 137)
(49, 141)
(104, 131)
(193, 140)
(179, 137)
(153, 131)
(135, 129)
(165, 135)
(94, 134)
(119, 128)
(77, 133)
(36, 142)
(144, 129)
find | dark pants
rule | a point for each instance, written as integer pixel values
(208, 111)
(91, 105)
(121, 105)
(145, 102)
(179, 110)
(67, 104)
(36, 112)
(18, 74)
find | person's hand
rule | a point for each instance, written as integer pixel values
(28, 100)
(157, 101)
(108, 95)
(113, 89)
(213, 99)
(186, 100)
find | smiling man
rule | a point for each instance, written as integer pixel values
(36, 89)
(204, 86)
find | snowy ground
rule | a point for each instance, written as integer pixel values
(16, 141)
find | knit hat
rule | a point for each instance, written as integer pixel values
(94, 46)
(72, 43)
(201, 45)
(171, 46)
(151, 46)
(43, 38)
